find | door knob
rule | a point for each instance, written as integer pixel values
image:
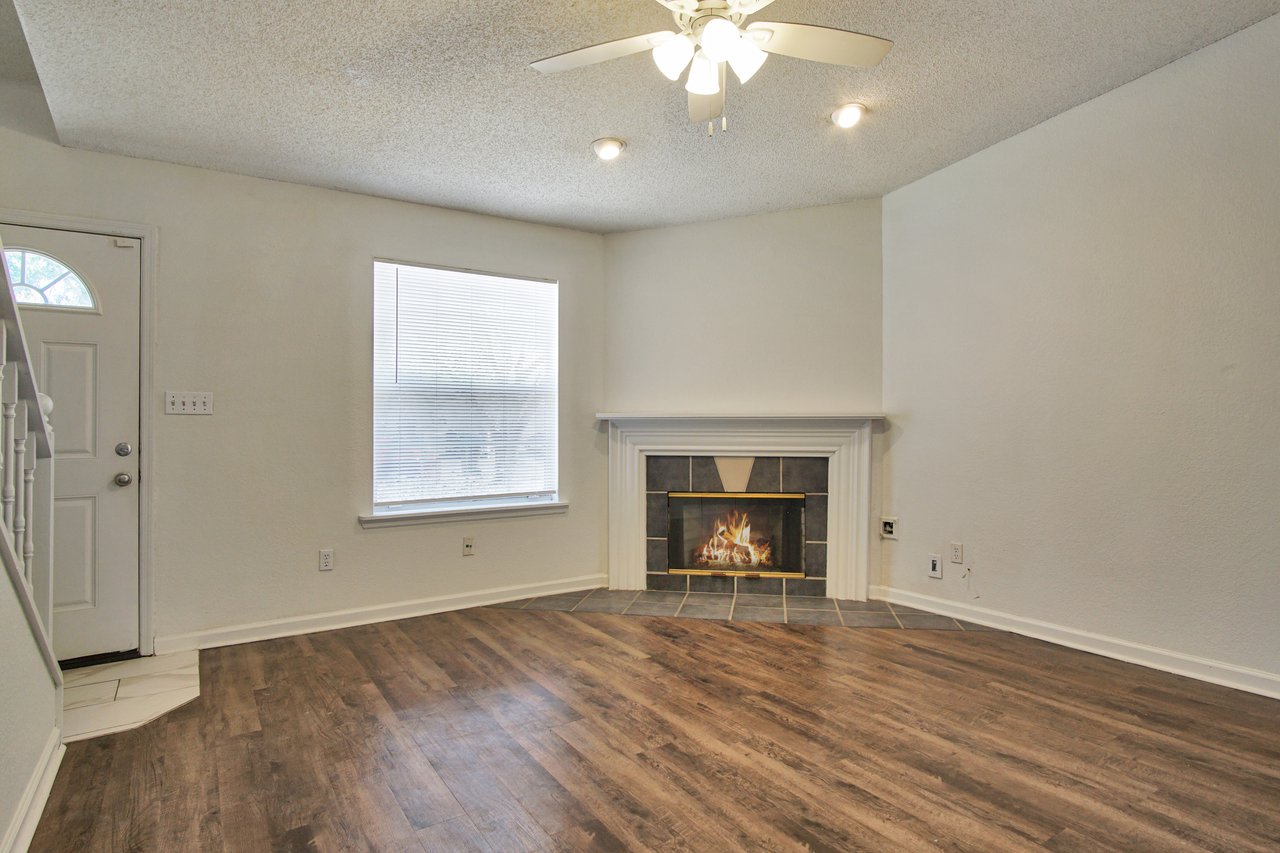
(124, 448)
(123, 479)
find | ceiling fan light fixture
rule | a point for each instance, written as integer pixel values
(704, 76)
(673, 55)
(712, 34)
(718, 39)
(746, 59)
(608, 147)
(848, 115)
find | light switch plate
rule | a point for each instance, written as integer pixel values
(188, 402)
(935, 566)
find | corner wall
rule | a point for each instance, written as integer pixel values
(778, 313)
(1082, 365)
(770, 314)
(264, 297)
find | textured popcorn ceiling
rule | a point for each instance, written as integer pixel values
(434, 102)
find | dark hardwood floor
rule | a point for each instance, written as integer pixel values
(498, 729)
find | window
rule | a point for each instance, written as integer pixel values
(464, 390)
(41, 280)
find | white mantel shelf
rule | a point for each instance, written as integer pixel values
(669, 416)
(843, 439)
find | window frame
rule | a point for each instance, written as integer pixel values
(94, 309)
(459, 509)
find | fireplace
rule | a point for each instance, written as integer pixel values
(751, 524)
(825, 457)
(736, 534)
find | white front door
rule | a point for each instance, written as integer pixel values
(79, 297)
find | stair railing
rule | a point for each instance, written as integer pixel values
(26, 478)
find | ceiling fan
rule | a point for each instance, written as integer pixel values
(710, 37)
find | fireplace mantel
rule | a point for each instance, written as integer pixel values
(844, 439)
(672, 416)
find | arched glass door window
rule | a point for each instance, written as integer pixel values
(41, 280)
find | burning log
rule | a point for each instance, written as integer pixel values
(731, 545)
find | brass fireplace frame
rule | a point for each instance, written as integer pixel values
(794, 496)
(737, 573)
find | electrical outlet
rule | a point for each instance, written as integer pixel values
(935, 565)
(957, 552)
(888, 528)
(468, 546)
(326, 560)
(188, 402)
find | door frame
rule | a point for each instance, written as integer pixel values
(149, 235)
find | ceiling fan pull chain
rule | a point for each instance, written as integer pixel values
(710, 129)
(724, 123)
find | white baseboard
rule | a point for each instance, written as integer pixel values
(17, 838)
(255, 631)
(1203, 669)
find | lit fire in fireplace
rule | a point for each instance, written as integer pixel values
(730, 546)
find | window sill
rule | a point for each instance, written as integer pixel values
(440, 516)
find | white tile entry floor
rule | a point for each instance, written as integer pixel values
(115, 697)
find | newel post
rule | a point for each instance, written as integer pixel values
(41, 564)
(17, 480)
(9, 398)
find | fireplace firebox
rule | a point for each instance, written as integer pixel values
(744, 534)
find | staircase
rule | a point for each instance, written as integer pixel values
(26, 480)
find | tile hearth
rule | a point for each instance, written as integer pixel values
(747, 607)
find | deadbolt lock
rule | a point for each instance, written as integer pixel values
(124, 448)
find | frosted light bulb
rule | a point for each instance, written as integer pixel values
(718, 39)
(848, 115)
(704, 76)
(746, 59)
(608, 148)
(672, 55)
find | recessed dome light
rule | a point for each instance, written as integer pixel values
(608, 147)
(848, 115)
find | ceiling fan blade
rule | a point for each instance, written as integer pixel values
(707, 107)
(600, 52)
(820, 44)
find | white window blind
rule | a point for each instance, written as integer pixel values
(464, 388)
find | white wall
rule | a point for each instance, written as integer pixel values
(27, 708)
(1082, 363)
(770, 314)
(264, 297)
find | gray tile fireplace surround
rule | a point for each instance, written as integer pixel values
(769, 474)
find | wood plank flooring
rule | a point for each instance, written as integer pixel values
(497, 729)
